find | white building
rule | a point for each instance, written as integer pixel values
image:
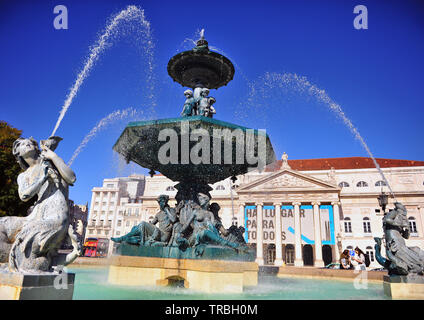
(326, 205)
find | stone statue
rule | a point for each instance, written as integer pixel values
(285, 163)
(147, 233)
(203, 104)
(190, 105)
(210, 110)
(401, 260)
(204, 231)
(30, 243)
(233, 234)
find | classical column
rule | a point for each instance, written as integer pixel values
(278, 235)
(317, 235)
(421, 212)
(336, 214)
(259, 235)
(241, 214)
(298, 261)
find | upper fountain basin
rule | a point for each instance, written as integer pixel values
(201, 66)
(177, 155)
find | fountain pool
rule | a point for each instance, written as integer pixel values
(91, 284)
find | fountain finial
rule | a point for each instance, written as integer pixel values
(201, 44)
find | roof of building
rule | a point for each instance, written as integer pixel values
(343, 163)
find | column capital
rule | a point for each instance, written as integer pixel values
(296, 203)
(335, 203)
(259, 204)
(316, 203)
(277, 204)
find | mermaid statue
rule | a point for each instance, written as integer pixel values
(400, 259)
(30, 244)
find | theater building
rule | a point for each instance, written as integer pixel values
(304, 212)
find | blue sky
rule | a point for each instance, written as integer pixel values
(375, 75)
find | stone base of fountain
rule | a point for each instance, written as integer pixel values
(210, 276)
(404, 287)
(18, 286)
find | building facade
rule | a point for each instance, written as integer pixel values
(296, 212)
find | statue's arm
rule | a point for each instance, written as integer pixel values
(67, 174)
(25, 190)
(172, 215)
(184, 228)
(391, 219)
(155, 219)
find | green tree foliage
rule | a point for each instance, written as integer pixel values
(10, 204)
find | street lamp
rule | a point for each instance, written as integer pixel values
(383, 200)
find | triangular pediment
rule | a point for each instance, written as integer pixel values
(286, 180)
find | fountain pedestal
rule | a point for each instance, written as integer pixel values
(404, 287)
(210, 276)
(18, 286)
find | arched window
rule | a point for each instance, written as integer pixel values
(367, 225)
(380, 183)
(413, 226)
(370, 252)
(220, 187)
(170, 188)
(235, 221)
(347, 225)
(362, 184)
(343, 184)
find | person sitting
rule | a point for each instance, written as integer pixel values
(345, 262)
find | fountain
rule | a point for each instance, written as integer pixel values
(190, 245)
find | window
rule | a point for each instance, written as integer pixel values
(170, 188)
(120, 212)
(109, 185)
(362, 184)
(220, 187)
(370, 253)
(136, 212)
(347, 225)
(119, 223)
(129, 211)
(235, 222)
(412, 226)
(367, 225)
(118, 233)
(150, 219)
(343, 184)
(127, 224)
(380, 183)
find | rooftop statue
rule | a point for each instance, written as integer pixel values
(401, 260)
(29, 244)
